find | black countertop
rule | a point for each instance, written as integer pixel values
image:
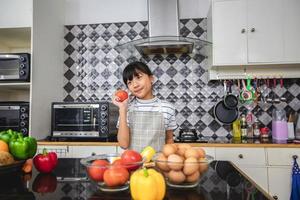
(222, 181)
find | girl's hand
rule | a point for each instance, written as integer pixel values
(122, 105)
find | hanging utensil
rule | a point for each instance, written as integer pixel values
(283, 99)
(275, 100)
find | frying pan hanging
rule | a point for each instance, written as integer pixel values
(224, 114)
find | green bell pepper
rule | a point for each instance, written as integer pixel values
(8, 135)
(23, 147)
(32, 146)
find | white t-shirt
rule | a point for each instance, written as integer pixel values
(168, 110)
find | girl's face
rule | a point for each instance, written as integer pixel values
(141, 86)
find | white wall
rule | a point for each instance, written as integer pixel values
(104, 11)
(15, 13)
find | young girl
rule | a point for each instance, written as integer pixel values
(144, 120)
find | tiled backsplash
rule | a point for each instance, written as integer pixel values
(93, 71)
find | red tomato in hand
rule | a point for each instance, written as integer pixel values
(115, 176)
(130, 158)
(97, 169)
(121, 94)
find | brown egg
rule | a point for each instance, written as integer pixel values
(161, 162)
(191, 165)
(193, 177)
(191, 153)
(201, 152)
(181, 151)
(203, 166)
(168, 149)
(175, 162)
(176, 177)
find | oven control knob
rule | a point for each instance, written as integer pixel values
(104, 130)
(23, 109)
(22, 73)
(103, 107)
(103, 115)
(24, 131)
(22, 123)
(103, 122)
(22, 58)
(23, 116)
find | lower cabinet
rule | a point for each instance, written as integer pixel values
(61, 151)
(85, 151)
(280, 182)
(66, 151)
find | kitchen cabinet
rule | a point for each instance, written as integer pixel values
(280, 161)
(252, 161)
(43, 37)
(62, 151)
(85, 151)
(247, 32)
(254, 37)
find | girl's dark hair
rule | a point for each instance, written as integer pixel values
(132, 69)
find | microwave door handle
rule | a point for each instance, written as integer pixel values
(3, 56)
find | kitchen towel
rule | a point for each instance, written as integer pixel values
(295, 193)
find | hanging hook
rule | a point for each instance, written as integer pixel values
(295, 157)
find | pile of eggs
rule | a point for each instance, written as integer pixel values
(180, 163)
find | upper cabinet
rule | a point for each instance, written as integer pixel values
(15, 13)
(248, 32)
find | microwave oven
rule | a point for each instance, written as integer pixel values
(14, 115)
(80, 120)
(14, 67)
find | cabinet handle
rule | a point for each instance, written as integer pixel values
(241, 156)
(93, 154)
(295, 156)
(243, 30)
(275, 197)
(252, 30)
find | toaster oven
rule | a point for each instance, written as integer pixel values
(84, 120)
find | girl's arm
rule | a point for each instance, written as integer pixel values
(169, 137)
(123, 131)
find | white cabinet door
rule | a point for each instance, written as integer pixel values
(242, 156)
(15, 13)
(282, 156)
(280, 182)
(85, 151)
(258, 174)
(291, 22)
(229, 23)
(265, 30)
(61, 151)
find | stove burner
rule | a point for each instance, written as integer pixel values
(187, 135)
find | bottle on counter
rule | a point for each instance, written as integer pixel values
(244, 126)
(236, 129)
(249, 120)
(256, 129)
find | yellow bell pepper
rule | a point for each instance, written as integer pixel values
(147, 184)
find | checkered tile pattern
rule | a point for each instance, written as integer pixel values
(93, 71)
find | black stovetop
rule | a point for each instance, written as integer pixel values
(221, 181)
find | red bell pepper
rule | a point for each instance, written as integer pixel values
(45, 162)
(44, 183)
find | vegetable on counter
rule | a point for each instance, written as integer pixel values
(148, 153)
(147, 184)
(45, 162)
(8, 135)
(27, 167)
(23, 147)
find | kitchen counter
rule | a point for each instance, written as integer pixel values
(212, 143)
(222, 181)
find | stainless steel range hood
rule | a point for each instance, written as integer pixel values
(164, 36)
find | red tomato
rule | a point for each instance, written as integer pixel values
(129, 158)
(97, 169)
(117, 162)
(115, 176)
(121, 94)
